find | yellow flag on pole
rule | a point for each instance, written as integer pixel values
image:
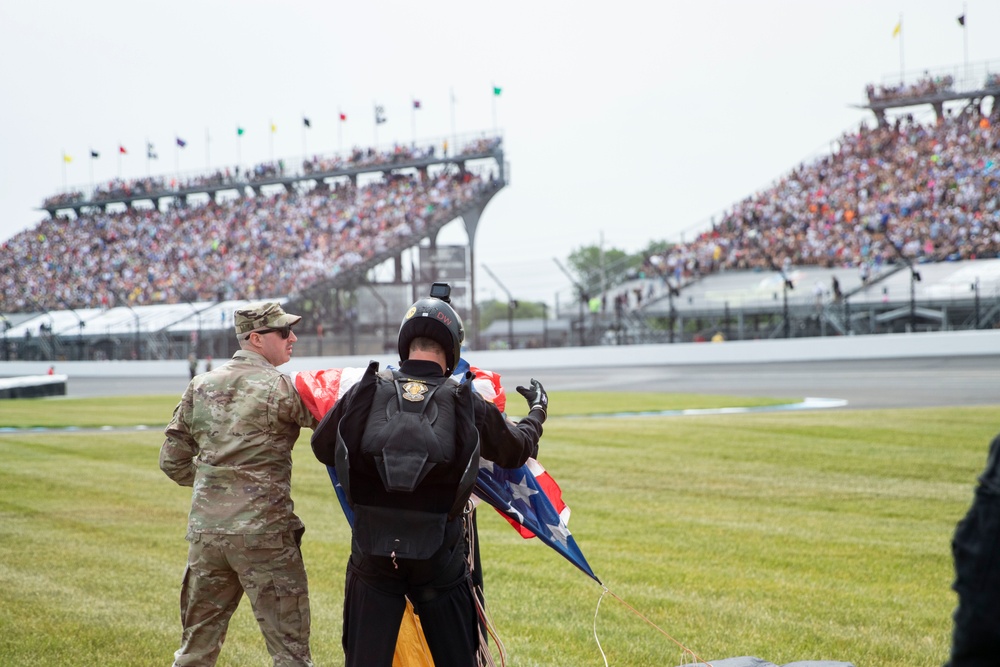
(897, 29)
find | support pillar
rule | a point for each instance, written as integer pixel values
(471, 220)
(938, 110)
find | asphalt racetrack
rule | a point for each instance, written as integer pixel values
(882, 383)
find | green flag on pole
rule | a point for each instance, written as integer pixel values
(239, 131)
(497, 90)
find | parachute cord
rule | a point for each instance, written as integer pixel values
(684, 649)
(484, 658)
(596, 638)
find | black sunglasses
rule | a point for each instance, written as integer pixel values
(285, 332)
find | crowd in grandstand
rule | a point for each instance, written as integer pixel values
(64, 198)
(928, 85)
(260, 246)
(366, 158)
(118, 189)
(928, 191)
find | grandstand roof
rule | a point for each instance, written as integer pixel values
(760, 289)
(213, 182)
(940, 281)
(122, 320)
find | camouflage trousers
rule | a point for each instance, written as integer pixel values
(269, 569)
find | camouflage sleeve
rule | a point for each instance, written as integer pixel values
(292, 408)
(179, 449)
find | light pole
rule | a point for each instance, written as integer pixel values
(581, 293)
(511, 305)
(671, 293)
(81, 324)
(197, 340)
(545, 324)
(352, 318)
(52, 336)
(787, 282)
(6, 346)
(137, 347)
(975, 289)
(914, 279)
(385, 315)
(787, 285)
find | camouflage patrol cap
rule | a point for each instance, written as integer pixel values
(262, 315)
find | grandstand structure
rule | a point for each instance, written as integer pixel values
(385, 203)
(970, 84)
(799, 302)
(163, 191)
(896, 230)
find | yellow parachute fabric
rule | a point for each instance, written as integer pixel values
(411, 645)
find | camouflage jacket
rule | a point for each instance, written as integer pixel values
(231, 438)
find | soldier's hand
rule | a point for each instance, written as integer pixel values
(536, 397)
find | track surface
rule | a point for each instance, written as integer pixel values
(884, 383)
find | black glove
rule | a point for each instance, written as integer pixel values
(536, 397)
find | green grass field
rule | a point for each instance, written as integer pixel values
(788, 536)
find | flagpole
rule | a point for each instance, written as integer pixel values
(413, 119)
(494, 100)
(208, 161)
(64, 170)
(239, 146)
(149, 156)
(375, 145)
(965, 40)
(453, 139)
(901, 80)
(340, 132)
(270, 142)
(119, 160)
(92, 170)
(304, 153)
(177, 157)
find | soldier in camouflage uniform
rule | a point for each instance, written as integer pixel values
(231, 438)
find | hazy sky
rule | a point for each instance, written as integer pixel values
(624, 121)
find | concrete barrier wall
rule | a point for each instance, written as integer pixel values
(885, 346)
(33, 386)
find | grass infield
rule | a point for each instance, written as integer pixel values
(788, 536)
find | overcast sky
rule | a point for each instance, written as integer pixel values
(625, 122)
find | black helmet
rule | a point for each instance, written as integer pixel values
(433, 318)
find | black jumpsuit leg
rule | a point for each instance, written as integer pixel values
(371, 623)
(976, 550)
